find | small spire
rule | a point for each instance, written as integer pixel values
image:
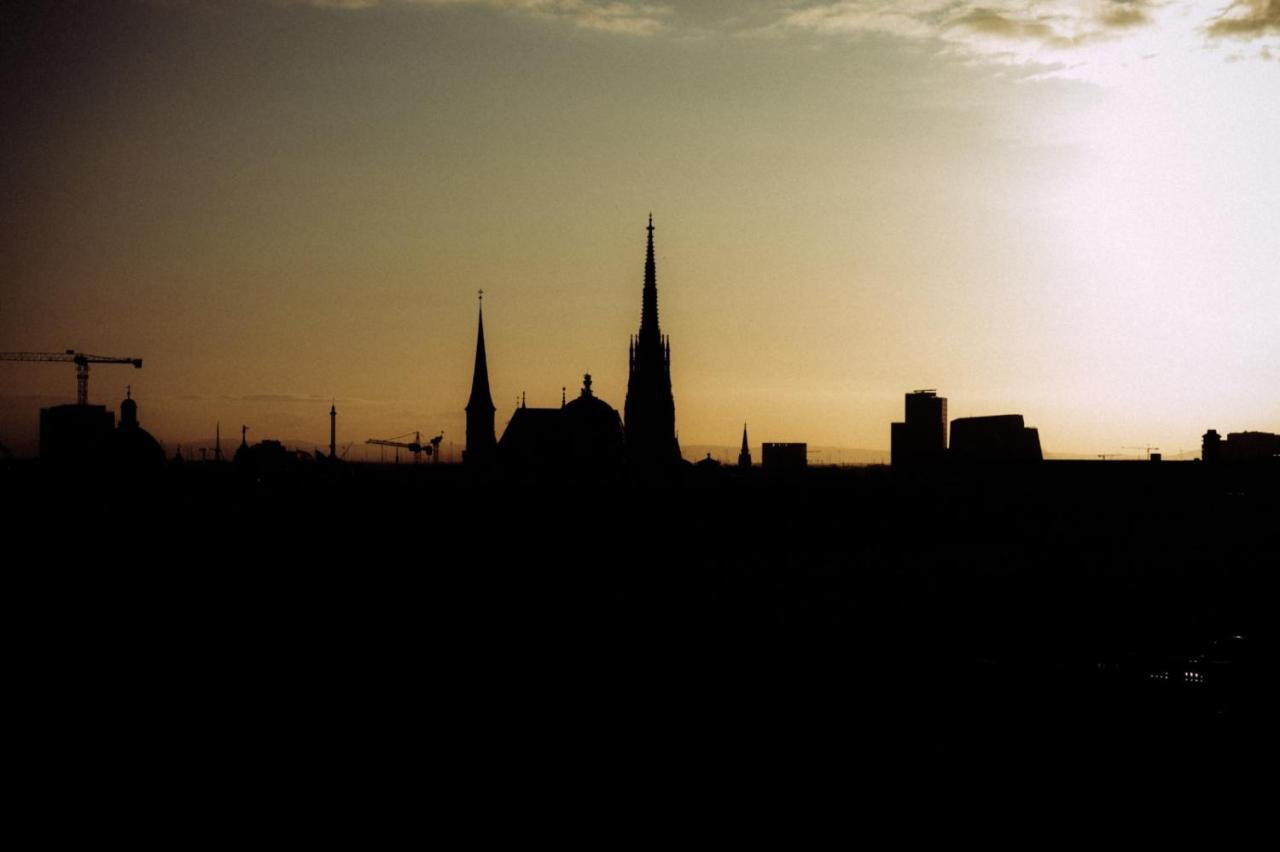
(523, 397)
(128, 394)
(562, 391)
(480, 400)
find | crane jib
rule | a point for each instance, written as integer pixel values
(80, 359)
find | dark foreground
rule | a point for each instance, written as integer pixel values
(426, 609)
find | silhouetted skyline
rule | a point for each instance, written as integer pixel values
(1069, 218)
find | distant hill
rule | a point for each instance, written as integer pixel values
(817, 454)
(1185, 455)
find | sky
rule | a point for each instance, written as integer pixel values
(1063, 210)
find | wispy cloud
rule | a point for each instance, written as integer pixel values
(986, 27)
(1247, 19)
(625, 17)
(1045, 32)
(1075, 37)
(276, 398)
(291, 399)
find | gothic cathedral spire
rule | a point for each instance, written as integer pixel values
(481, 445)
(649, 305)
(650, 413)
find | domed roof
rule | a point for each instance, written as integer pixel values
(593, 430)
(588, 404)
(131, 446)
(134, 447)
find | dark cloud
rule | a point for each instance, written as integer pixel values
(993, 23)
(1124, 16)
(275, 397)
(1056, 30)
(1248, 19)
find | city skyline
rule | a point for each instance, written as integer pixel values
(282, 205)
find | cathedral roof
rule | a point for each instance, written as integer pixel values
(588, 404)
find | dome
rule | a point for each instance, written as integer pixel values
(136, 448)
(588, 404)
(593, 429)
(131, 447)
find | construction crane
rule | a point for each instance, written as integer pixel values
(1147, 450)
(416, 446)
(80, 359)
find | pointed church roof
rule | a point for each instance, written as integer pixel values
(649, 311)
(744, 437)
(480, 397)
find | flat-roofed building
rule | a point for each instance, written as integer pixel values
(784, 456)
(922, 436)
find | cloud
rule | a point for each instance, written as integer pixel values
(294, 398)
(1086, 39)
(1247, 19)
(1057, 24)
(626, 17)
(1050, 33)
(1123, 16)
(993, 23)
(276, 398)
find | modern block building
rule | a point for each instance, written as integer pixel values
(922, 436)
(784, 456)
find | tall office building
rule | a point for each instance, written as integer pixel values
(922, 437)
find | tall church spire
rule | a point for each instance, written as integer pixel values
(650, 414)
(480, 408)
(744, 456)
(649, 309)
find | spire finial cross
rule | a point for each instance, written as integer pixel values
(480, 295)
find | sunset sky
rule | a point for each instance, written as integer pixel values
(1068, 210)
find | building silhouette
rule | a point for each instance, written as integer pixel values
(1000, 437)
(922, 437)
(1239, 447)
(87, 436)
(784, 456)
(1211, 447)
(75, 434)
(583, 437)
(650, 412)
(744, 455)
(131, 447)
(481, 447)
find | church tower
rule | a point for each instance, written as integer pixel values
(650, 409)
(481, 445)
(744, 455)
